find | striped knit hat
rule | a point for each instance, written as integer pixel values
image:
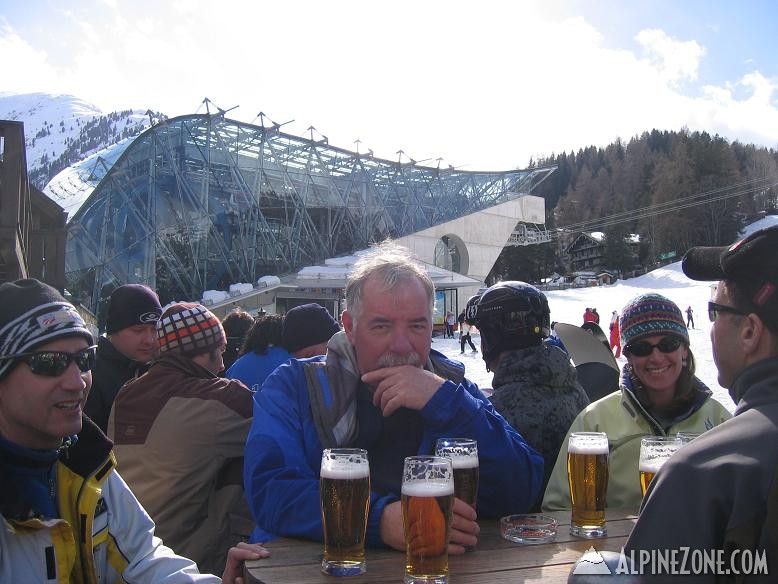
(651, 314)
(32, 314)
(189, 328)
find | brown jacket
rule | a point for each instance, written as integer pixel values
(179, 433)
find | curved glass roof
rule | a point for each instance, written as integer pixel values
(201, 201)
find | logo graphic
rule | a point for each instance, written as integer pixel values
(148, 317)
(592, 563)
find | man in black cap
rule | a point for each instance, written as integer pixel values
(67, 516)
(307, 329)
(720, 492)
(127, 348)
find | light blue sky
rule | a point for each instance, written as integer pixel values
(484, 85)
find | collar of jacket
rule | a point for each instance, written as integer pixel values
(635, 408)
(90, 454)
(183, 364)
(106, 350)
(756, 385)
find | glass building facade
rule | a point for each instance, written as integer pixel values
(200, 201)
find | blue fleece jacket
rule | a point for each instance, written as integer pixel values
(283, 455)
(252, 368)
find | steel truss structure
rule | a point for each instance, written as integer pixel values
(201, 201)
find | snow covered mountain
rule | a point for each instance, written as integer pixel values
(61, 130)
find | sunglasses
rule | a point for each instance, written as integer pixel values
(644, 348)
(55, 363)
(714, 310)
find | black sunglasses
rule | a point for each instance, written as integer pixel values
(714, 310)
(55, 363)
(644, 348)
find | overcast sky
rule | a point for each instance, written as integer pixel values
(484, 85)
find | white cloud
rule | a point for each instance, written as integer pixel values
(27, 70)
(678, 60)
(486, 87)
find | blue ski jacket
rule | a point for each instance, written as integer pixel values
(283, 455)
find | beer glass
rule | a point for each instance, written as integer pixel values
(344, 486)
(587, 475)
(463, 453)
(427, 503)
(654, 452)
(686, 437)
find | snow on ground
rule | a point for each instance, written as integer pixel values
(569, 305)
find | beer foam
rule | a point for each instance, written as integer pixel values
(651, 465)
(345, 471)
(464, 461)
(588, 447)
(424, 489)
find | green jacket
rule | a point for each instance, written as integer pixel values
(623, 418)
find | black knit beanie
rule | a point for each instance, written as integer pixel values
(306, 325)
(132, 304)
(31, 314)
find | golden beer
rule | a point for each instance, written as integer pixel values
(645, 479)
(345, 494)
(427, 505)
(426, 519)
(463, 453)
(655, 451)
(587, 474)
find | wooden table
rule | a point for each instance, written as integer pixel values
(493, 561)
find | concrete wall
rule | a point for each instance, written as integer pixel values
(484, 235)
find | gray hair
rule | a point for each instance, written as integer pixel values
(391, 265)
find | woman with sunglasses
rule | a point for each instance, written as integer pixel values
(67, 516)
(659, 396)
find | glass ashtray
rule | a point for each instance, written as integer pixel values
(528, 529)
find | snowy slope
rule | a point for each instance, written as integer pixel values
(670, 281)
(62, 130)
(42, 114)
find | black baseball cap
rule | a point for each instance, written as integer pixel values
(751, 262)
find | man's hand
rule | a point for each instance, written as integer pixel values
(236, 556)
(464, 528)
(391, 527)
(463, 533)
(404, 386)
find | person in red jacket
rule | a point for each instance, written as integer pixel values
(615, 334)
(589, 316)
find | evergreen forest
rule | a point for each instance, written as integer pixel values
(674, 190)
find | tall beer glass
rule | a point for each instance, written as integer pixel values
(655, 451)
(344, 485)
(427, 502)
(686, 437)
(463, 453)
(587, 475)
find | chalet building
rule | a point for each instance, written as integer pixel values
(587, 252)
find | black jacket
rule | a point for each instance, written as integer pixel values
(720, 492)
(112, 370)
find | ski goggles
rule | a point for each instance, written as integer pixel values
(715, 309)
(55, 363)
(644, 348)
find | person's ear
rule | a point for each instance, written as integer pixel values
(752, 331)
(348, 324)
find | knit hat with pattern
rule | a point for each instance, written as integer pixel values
(32, 314)
(189, 328)
(649, 315)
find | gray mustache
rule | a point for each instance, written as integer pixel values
(395, 360)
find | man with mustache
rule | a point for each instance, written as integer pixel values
(382, 388)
